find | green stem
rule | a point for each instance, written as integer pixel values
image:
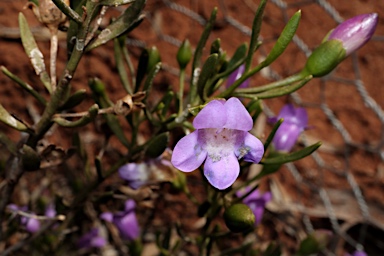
(181, 91)
(68, 11)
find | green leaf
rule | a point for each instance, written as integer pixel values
(74, 100)
(130, 19)
(272, 134)
(9, 120)
(157, 145)
(199, 51)
(115, 2)
(281, 91)
(92, 113)
(118, 45)
(24, 85)
(237, 58)
(149, 80)
(284, 39)
(257, 21)
(286, 158)
(33, 52)
(207, 72)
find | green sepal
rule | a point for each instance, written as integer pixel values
(256, 26)
(74, 100)
(33, 52)
(284, 39)
(325, 58)
(184, 54)
(157, 145)
(30, 158)
(129, 20)
(92, 113)
(11, 121)
(207, 72)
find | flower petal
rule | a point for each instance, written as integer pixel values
(238, 117)
(287, 112)
(128, 226)
(188, 155)
(301, 118)
(286, 137)
(213, 115)
(223, 173)
(252, 149)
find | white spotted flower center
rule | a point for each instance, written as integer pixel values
(219, 143)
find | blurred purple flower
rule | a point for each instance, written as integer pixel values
(125, 221)
(256, 202)
(135, 174)
(295, 121)
(357, 253)
(92, 239)
(236, 75)
(221, 138)
(355, 32)
(32, 224)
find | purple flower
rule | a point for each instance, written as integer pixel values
(135, 174)
(236, 75)
(355, 32)
(295, 121)
(125, 221)
(220, 139)
(357, 253)
(256, 202)
(92, 239)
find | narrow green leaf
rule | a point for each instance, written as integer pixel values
(199, 52)
(92, 113)
(68, 11)
(283, 90)
(9, 120)
(257, 21)
(149, 80)
(272, 134)
(157, 145)
(120, 64)
(282, 159)
(284, 39)
(130, 19)
(207, 72)
(237, 58)
(115, 2)
(24, 85)
(33, 52)
(74, 100)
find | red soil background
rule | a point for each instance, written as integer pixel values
(335, 95)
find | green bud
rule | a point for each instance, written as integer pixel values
(325, 58)
(97, 86)
(29, 158)
(215, 46)
(153, 58)
(239, 218)
(184, 54)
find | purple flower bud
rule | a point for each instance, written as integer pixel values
(295, 121)
(32, 225)
(235, 75)
(92, 239)
(50, 211)
(125, 221)
(355, 32)
(135, 174)
(256, 202)
(221, 138)
(357, 253)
